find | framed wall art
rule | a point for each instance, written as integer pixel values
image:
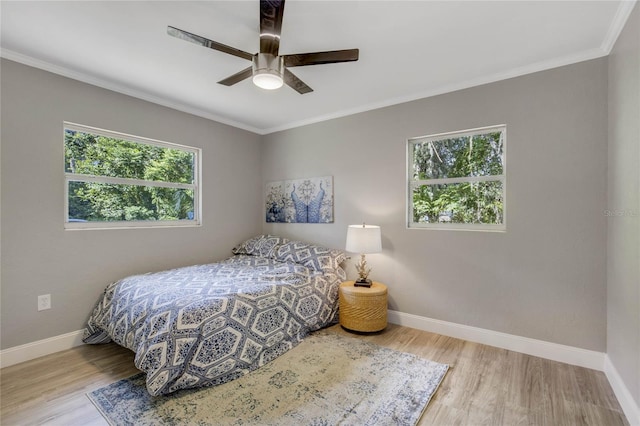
(307, 200)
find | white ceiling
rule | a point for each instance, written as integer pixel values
(408, 49)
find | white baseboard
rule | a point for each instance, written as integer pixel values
(33, 350)
(540, 348)
(629, 406)
(562, 353)
(553, 351)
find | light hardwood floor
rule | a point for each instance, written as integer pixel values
(484, 386)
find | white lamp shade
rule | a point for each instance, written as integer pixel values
(363, 239)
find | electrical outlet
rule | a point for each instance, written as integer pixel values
(44, 302)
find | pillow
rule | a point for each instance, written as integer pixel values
(262, 245)
(312, 256)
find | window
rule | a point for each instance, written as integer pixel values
(113, 180)
(457, 180)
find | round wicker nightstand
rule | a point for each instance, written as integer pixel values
(363, 308)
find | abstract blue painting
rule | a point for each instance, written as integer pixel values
(300, 200)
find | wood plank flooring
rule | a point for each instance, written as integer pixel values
(484, 386)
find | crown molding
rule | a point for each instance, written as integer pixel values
(115, 87)
(491, 78)
(617, 24)
(620, 18)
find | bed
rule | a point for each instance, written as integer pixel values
(208, 324)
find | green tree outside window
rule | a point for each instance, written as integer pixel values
(458, 179)
(112, 179)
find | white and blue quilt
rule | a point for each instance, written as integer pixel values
(208, 324)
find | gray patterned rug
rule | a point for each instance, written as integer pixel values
(327, 379)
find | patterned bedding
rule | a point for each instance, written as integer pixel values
(208, 324)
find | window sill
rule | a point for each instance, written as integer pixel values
(97, 226)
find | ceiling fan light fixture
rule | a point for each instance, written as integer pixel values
(267, 80)
(268, 71)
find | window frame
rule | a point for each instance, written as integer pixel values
(78, 177)
(413, 183)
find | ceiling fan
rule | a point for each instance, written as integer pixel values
(269, 70)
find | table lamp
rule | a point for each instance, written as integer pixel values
(363, 239)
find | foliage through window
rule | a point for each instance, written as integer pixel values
(457, 180)
(115, 180)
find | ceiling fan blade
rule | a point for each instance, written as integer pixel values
(271, 12)
(237, 77)
(317, 58)
(193, 38)
(295, 83)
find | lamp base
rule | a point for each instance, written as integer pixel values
(362, 283)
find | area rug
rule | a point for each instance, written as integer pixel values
(327, 379)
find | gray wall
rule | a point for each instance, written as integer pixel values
(40, 257)
(545, 277)
(623, 236)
